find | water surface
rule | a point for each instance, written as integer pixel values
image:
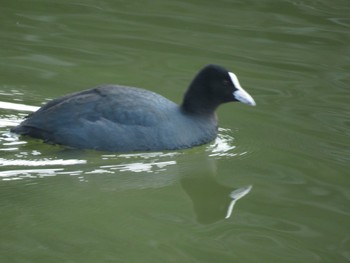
(67, 205)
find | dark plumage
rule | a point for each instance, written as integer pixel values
(122, 119)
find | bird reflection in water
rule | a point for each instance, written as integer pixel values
(212, 201)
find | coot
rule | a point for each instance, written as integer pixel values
(124, 119)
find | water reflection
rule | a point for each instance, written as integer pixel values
(211, 200)
(139, 167)
(141, 162)
(235, 196)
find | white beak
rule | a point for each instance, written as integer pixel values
(240, 94)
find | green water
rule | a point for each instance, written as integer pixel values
(293, 57)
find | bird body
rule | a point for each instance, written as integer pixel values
(123, 119)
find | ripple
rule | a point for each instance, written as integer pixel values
(140, 167)
(144, 162)
(276, 245)
(223, 145)
(43, 59)
(7, 122)
(44, 162)
(28, 173)
(149, 155)
(154, 165)
(150, 162)
(17, 106)
(341, 21)
(10, 91)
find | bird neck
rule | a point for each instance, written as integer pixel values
(197, 99)
(198, 105)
